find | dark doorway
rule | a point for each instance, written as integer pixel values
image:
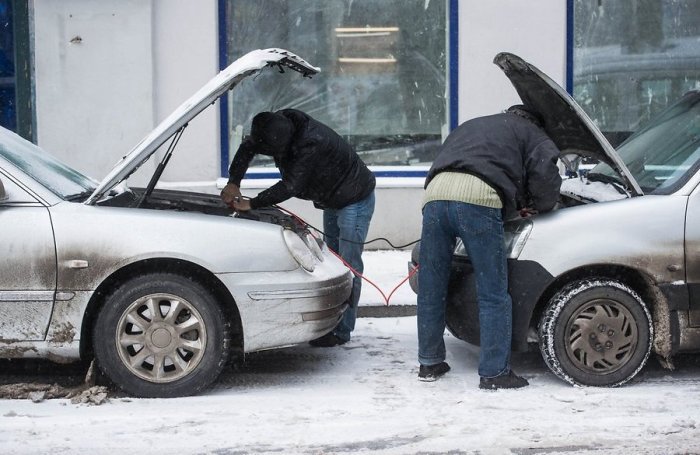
(8, 101)
(16, 112)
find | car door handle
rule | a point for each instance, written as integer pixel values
(77, 264)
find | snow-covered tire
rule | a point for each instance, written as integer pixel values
(161, 335)
(596, 332)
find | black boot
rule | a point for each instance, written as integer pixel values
(430, 373)
(327, 341)
(506, 381)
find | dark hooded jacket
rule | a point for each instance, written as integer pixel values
(318, 165)
(511, 154)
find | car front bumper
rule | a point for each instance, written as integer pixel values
(286, 308)
(527, 283)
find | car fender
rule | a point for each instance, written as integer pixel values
(643, 233)
(92, 242)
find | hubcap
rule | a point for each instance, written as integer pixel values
(601, 336)
(161, 338)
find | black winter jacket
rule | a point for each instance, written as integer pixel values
(319, 166)
(511, 154)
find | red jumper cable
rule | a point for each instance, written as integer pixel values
(384, 296)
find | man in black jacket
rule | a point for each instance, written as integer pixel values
(315, 164)
(487, 169)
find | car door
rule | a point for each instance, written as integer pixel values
(27, 264)
(692, 255)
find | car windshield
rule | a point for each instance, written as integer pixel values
(60, 179)
(666, 152)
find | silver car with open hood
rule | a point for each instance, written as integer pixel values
(160, 286)
(614, 273)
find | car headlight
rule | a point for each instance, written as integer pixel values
(515, 235)
(299, 250)
(314, 245)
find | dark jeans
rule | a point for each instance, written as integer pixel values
(346, 231)
(481, 230)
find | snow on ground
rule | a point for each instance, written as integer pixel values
(386, 269)
(365, 397)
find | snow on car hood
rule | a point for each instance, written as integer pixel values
(251, 63)
(564, 121)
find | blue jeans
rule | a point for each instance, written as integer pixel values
(481, 230)
(346, 231)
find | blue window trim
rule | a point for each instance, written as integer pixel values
(223, 101)
(570, 46)
(453, 28)
(453, 44)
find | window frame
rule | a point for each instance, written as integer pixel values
(410, 172)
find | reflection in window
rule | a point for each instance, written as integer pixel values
(656, 94)
(43, 167)
(633, 59)
(664, 153)
(383, 71)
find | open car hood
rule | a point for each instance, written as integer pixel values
(564, 121)
(251, 63)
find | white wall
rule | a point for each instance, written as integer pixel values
(94, 79)
(139, 59)
(533, 30)
(134, 62)
(186, 56)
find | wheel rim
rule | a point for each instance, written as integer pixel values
(161, 338)
(601, 336)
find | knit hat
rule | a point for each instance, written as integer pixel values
(272, 132)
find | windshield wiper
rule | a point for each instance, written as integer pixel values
(604, 178)
(79, 197)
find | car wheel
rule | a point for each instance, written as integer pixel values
(161, 335)
(596, 332)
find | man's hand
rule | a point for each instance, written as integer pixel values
(230, 193)
(241, 204)
(527, 211)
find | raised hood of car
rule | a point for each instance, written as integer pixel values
(564, 121)
(251, 63)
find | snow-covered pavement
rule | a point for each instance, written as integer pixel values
(386, 269)
(365, 397)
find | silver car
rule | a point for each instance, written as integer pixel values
(614, 273)
(160, 286)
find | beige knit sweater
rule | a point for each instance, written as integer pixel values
(461, 187)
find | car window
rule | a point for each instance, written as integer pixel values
(59, 178)
(666, 152)
(10, 193)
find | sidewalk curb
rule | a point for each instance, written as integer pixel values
(385, 311)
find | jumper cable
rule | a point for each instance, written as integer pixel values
(355, 272)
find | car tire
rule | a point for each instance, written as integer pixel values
(161, 335)
(596, 332)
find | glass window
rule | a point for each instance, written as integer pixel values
(633, 59)
(383, 65)
(665, 153)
